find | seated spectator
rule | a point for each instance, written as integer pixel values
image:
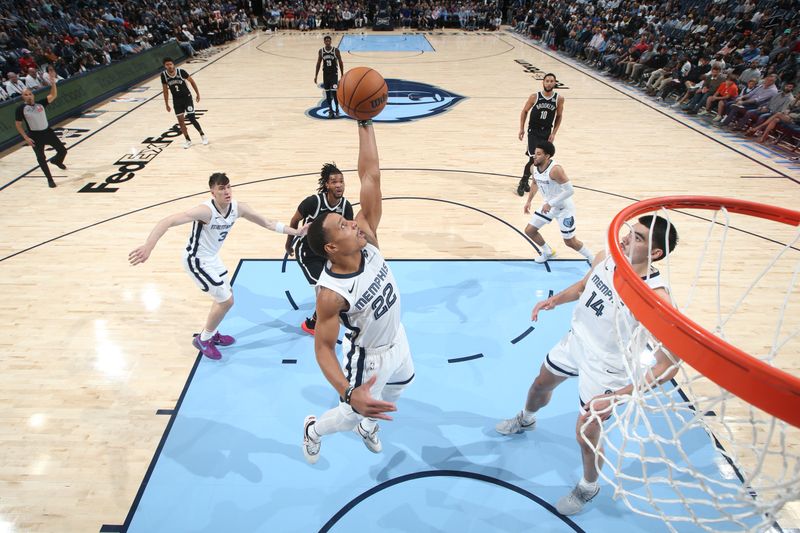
(776, 105)
(726, 92)
(184, 42)
(711, 82)
(13, 85)
(758, 97)
(790, 117)
(33, 81)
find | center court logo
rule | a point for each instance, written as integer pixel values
(408, 100)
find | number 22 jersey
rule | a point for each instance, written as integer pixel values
(373, 316)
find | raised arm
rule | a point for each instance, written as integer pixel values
(247, 213)
(140, 254)
(570, 294)
(369, 173)
(53, 90)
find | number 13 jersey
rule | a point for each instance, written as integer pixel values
(594, 320)
(373, 316)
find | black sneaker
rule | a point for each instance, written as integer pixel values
(523, 185)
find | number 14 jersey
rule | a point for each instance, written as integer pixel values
(595, 319)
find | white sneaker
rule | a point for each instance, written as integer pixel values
(187, 144)
(702, 111)
(573, 502)
(515, 425)
(545, 256)
(205, 139)
(310, 448)
(719, 118)
(371, 440)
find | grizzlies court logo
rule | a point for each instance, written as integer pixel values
(408, 100)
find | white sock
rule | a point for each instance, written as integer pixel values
(206, 335)
(312, 433)
(528, 416)
(546, 250)
(585, 486)
(368, 425)
(585, 252)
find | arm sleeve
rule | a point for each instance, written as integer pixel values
(566, 193)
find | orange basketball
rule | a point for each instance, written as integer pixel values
(362, 93)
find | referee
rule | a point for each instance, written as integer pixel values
(40, 134)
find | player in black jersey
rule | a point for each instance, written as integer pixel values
(547, 108)
(329, 199)
(173, 80)
(328, 58)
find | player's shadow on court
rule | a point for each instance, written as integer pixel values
(425, 435)
(450, 297)
(212, 449)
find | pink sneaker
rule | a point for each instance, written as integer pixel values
(222, 340)
(207, 348)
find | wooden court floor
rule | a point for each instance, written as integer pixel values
(94, 347)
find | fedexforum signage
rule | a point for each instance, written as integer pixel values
(129, 164)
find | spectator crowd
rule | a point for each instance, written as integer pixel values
(734, 62)
(76, 37)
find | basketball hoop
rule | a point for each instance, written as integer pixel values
(760, 384)
(736, 399)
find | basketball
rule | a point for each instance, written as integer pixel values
(362, 93)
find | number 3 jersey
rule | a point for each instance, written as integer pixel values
(206, 239)
(373, 315)
(594, 320)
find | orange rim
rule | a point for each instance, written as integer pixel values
(770, 389)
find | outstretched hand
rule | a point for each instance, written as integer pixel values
(601, 406)
(301, 232)
(544, 305)
(366, 405)
(139, 255)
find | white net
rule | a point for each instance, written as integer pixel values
(687, 451)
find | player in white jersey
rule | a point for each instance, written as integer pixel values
(211, 222)
(358, 288)
(550, 178)
(592, 352)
